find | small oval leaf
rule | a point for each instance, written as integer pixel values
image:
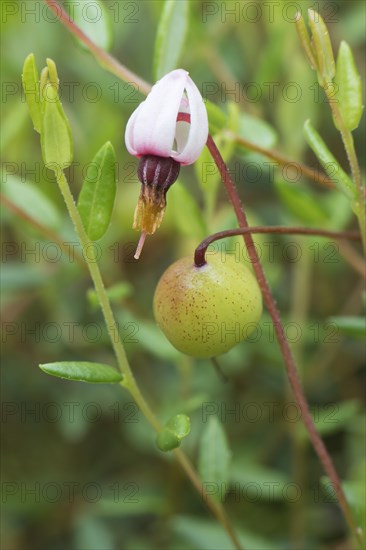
(170, 36)
(349, 88)
(30, 80)
(97, 195)
(173, 432)
(56, 140)
(214, 455)
(83, 371)
(92, 17)
(180, 424)
(167, 440)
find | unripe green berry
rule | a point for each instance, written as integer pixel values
(205, 311)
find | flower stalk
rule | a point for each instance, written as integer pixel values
(289, 362)
(200, 252)
(129, 381)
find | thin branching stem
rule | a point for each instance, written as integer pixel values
(289, 362)
(129, 381)
(200, 252)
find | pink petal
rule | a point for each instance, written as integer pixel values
(130, 132)
(198, 133)
(151, 128)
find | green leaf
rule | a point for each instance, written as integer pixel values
(248, 472)
(30, 80)
(170, 36)
(332, 418)
(322, 47)
(83, 371)
(167, 440)
(148, 335)
(97, 195)
(91, 533)
(351, 326)
(185, 211)
(328, 161)
(303, 204)
(52, 73)
(256, 131)
(180, 424)
(115, 293)
(355, 494)
(349, 88)
(18, 276)
(200, 534)
(207, 173)
(302, 31)
(214, 456)
(56, 139)
(29, 198)
(94, 20)
(173, 432)
(217, 119)
(339, 210)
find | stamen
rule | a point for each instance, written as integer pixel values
(140, 245)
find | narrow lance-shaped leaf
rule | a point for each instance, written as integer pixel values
(302, 31)
(52, 73)
(328, 161)
(30, 80)
(351, 326)
(56, 140)
(97, 195)
(214, 457)
(43, 81)
(83, 371)
(302, 203)
(170, 36)
(323, 48)
(349, 88)
(94, 20)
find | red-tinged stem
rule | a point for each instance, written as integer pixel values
(292, 374)
(200, 252)
(108, 61)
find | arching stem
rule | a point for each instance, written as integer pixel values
(289, 362)
(200, 252)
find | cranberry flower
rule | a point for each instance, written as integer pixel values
(164, 143)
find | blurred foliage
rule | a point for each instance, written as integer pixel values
(80, 467)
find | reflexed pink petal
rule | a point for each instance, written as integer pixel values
(198, 133)
(151, 128)
(130, 132)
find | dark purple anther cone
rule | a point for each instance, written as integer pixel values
(158, 173)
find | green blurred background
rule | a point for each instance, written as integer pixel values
(80, 468)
